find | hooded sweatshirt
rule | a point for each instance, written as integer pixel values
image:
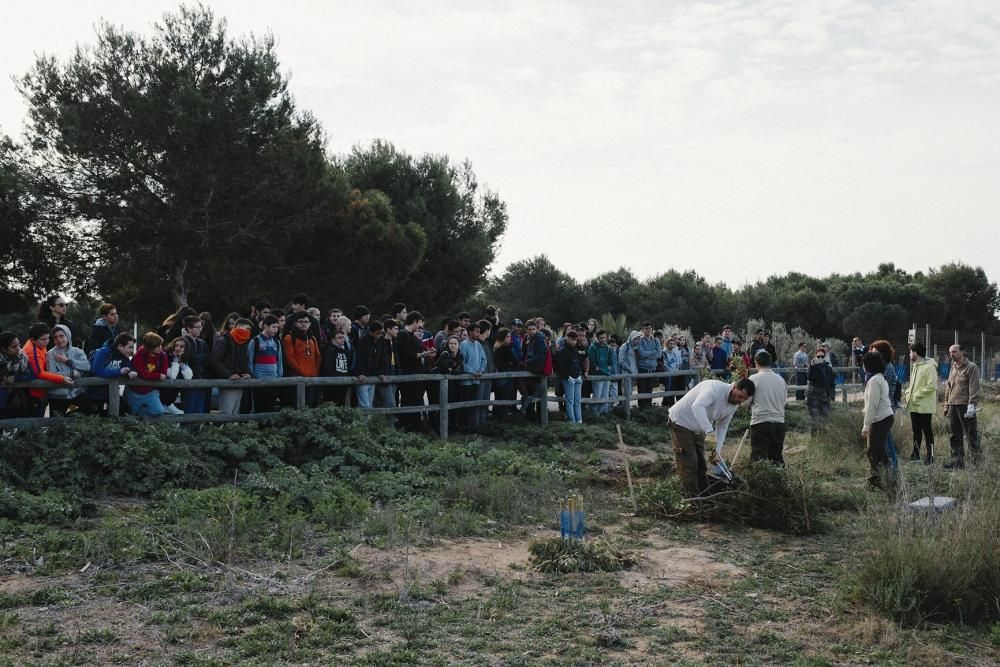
(75, 366)
(107, 362)
(626, 355)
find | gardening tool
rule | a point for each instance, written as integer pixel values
(628, 471)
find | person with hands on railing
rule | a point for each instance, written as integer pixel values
(72, 362)
(370, 358)
(110, 361)
(231, 359)
(149, 363)
(36, 350)
(14, 367)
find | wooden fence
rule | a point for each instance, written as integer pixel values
(300, 384)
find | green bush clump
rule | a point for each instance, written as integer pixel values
(662, 498)
(324, 499)
(566, 556)
(53, 508)
(946, 566)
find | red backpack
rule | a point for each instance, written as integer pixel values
(547, 368)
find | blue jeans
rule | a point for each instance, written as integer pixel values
(144, 405)
(602, 389)
(365, 393)
(572, 388)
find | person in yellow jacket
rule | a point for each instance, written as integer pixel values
(920, 400)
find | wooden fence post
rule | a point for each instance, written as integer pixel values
(443, 412)
(627, 393)
(300, 395)
(543, 407)
(114, 399)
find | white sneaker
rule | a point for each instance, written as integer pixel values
(172, 410)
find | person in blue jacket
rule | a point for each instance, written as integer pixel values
(111, 360)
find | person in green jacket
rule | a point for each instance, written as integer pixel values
(600, 355)
(920, 400)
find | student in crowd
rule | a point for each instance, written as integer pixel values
(504, 361)
(178, 369)
(149, 363)
(485, 389)
(370, 359)
(330, 323)
(448, 362)
(567, 365)
(600, 356)
(536, 352)
(413, 359)
(672, 362)
(197, 357)
(105, 328)
(14, 367)
(361, 325)
(51, 312)
(300, 304)
(68, 361)
(231, 359)
(36, 351)
(473, 363)
(338, 360)
(302, 353)
(266, 362)
(208, 332)
(111, 360)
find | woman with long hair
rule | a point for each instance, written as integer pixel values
(51, 312)
(173, 326)
(877, 416)
(888, 354)
(505, 361)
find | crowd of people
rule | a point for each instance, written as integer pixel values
(269, 342)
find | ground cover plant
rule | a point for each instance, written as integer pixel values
(328, 537)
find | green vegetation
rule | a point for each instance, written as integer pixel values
(328, 537)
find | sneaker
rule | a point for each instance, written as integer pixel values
(915, 456)
(956, 464)
(172, 410)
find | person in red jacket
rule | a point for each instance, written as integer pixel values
(149, 363)
(302, 355)
(36, 350)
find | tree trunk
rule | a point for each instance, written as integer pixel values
(179, 291)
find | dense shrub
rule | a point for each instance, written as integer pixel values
(921, 567)
(567, 556)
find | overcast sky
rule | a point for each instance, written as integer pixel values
(738, 139)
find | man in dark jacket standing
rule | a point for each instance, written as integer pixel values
(412, 358)
(105, 328)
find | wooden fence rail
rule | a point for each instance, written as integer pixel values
(442, 407)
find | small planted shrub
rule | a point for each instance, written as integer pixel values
(568, 556)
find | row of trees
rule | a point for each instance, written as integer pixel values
(884, 302)
(176, 168)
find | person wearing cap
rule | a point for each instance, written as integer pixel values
(708, 408)
(767, 416)
(359, 328)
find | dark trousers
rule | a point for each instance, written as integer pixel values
(503, 390)
(767, 442)
(962, 428)
(689, 459)
(83, 403)
(818, 404)
(467, 416)
(801, 379)
(646, 386)
(878, 457)
(921, 424)
(264, 399)
(411, 393)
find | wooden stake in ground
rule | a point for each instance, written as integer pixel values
(628, 471)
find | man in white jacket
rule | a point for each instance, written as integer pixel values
(707, 408)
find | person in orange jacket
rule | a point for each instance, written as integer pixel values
(36, 350)
(302, 354)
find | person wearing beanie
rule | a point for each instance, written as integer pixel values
(360, 326)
